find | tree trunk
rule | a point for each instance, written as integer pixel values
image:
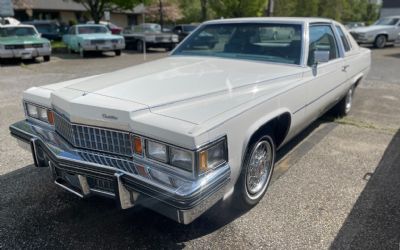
(270, 11)
(203, 4)
(161, 14)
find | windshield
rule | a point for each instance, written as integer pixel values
(253, 41)
(148, 27)
(387, 21)
(92, 29)
(47, 28)
(17, 31)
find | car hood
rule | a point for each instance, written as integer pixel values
(99, 36)
(371, 28)
(177, 86)
(22, 40)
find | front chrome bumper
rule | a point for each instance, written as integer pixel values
(104, 47)
(80, 172)
(25, 53)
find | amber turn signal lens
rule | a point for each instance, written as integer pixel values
(203, 161)
(137, 145)
(50, 117)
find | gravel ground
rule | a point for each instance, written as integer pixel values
(336, 186)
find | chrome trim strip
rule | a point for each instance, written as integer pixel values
(102, 192)
(68, 189)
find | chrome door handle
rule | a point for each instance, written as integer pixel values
(344, 68)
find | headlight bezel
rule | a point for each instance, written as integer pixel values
(40, 109)
(47, 45)
(192, 169)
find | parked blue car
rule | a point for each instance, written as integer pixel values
(92, 37)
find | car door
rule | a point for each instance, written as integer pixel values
(67, 37)
(352, 65)
(74, 38)
(324, 79)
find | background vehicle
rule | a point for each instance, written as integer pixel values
(151, 35)
(92, 37)
(384, 31)
(9, 21)
(51, 30)
(183, 30)
(353, 25)
(23, 41)
(116, 30)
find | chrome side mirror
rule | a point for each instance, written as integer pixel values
(321, 56)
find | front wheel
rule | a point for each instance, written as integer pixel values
(46, 58)
(256, 173)
(343, 107)
(380, 41)
(82, 52)
(170, 48)
(139, 46)
(117, 52)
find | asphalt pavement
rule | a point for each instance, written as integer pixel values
(335, 186)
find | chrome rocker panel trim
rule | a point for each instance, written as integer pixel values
(181, 199)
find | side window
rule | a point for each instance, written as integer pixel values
(72, 30)
(322, 39)
(343, 37)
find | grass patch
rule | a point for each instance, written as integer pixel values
(357, 123)
(58, 45)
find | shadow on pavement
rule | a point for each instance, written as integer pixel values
(374, 222)
(12, 62)
(36, 214)
(397, 55)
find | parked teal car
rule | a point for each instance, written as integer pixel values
(23, 41)
(92, 37)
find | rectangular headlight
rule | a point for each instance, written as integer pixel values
(181, 158)
(157, 151)
(40, 113)
(213, 156)
(32, 111)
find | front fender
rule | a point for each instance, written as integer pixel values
(258, 124)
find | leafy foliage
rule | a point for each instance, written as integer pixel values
(170, 11)
(96, 8)
(238, 8)
(341, 10)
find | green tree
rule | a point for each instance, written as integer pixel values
(238, 8)
(285, 7)
(340, 10)
(306, 8)
(96, 8)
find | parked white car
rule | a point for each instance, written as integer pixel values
(181, 133)
(383, 32)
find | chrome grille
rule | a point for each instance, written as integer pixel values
(99, 139)
(355, 35)
(98, 41)
(99, 158)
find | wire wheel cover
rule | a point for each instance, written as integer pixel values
(259, 168)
